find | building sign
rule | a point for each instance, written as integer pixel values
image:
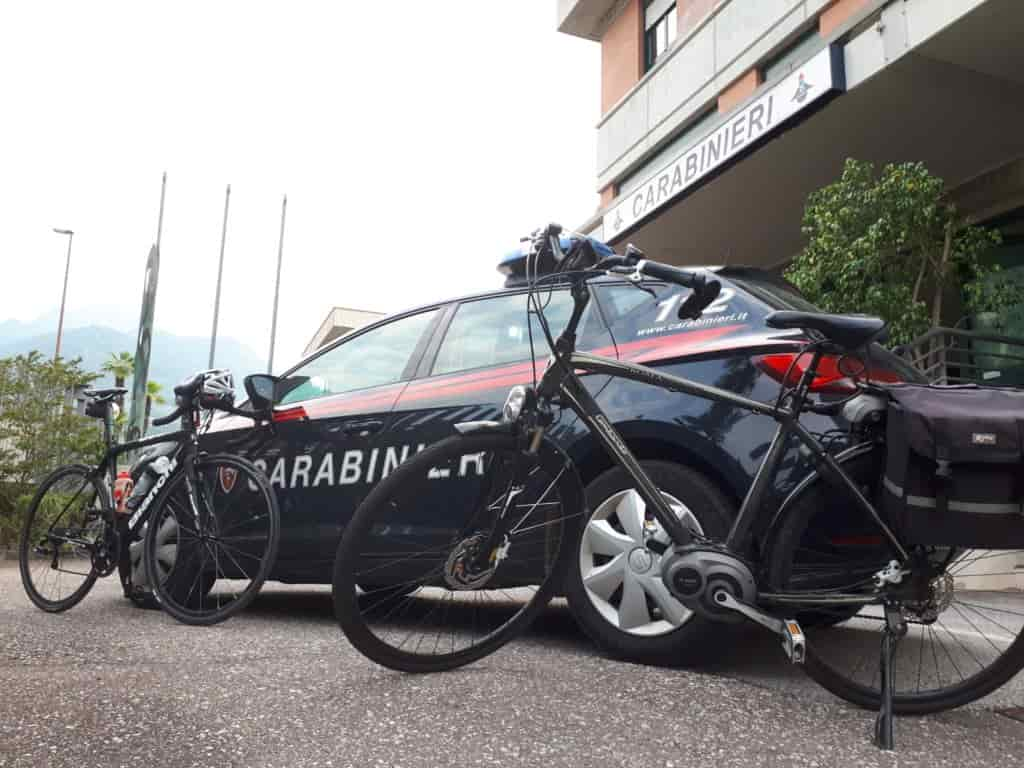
(819, 77)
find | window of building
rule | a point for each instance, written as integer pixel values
(371, 359)
(492, 332)
(793, 55)
(660, 25)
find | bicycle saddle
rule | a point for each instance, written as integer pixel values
(105, 394)
(848, 331)
(189, 387)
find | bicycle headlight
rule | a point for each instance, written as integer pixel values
(115, 411)
(514, 403)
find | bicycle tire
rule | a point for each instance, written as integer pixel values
(826, 648)
(412, 477)
(196, 607)
(84, 473)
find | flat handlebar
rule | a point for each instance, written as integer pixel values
(703, 289)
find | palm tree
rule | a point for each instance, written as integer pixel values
(153, 390)
(121, 365)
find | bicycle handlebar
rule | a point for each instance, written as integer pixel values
(179, 412)
(699, 299)
(162, 422)
(703, 290)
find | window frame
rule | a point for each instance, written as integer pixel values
(595, 315)
(651, 28)
(411, 366)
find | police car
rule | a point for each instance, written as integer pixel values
(349, 414)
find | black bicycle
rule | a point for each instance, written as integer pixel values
(209, 523)
(454, 553)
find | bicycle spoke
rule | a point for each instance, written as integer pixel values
(471, 551)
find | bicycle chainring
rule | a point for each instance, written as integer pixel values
(106, 552)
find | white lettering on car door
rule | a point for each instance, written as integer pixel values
(472, 458)
(277, 477)
(300, 468)
(351, 466)
(326, 471)
(392, 458)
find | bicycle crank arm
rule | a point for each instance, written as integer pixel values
(789, 630)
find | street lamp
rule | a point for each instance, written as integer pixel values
(64, 296)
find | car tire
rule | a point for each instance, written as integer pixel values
(133, 577)
(661, 641)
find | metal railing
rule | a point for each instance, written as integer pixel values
(954, 356)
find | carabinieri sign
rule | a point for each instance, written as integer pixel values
(822, 75)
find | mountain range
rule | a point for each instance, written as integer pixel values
(173, 358)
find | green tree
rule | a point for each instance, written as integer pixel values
(121, 366)
(890, 244)
(39, 428)
(153, 396)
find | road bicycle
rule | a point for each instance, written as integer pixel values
(209, 523)
(455, 552)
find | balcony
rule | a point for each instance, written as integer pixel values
(584, 18)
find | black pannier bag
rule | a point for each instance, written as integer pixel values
(953, 465)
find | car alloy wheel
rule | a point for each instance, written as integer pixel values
(621, 576)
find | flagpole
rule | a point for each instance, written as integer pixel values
(160, 215)
(220, 272)
(143, 346)
(277, 287)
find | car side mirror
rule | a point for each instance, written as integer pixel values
(262, 390)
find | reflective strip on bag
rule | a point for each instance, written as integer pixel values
(971, 507)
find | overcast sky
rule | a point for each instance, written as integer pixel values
(416, 142)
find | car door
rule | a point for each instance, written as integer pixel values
(329, 418)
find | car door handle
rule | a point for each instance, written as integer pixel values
(363, 427)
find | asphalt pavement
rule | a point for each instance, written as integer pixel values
(107, 684)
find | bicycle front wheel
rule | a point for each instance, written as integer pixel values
(963, 635)
(63, 524)
(209, 547)
(455, 552)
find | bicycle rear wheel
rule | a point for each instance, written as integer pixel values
(422, 583)
(63, 523)
(209, 549)
(962, 643)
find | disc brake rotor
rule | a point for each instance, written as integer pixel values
(458, 570)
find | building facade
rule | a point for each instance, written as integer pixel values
(339, 321)
(719, 117)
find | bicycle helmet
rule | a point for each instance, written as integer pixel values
(217, 389)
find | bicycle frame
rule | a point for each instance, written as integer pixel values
(561, 379)
(107, 467)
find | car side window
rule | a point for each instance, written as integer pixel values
(371, 359)
(493, 331)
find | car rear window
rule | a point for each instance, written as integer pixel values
(775, 292)
(634, 314)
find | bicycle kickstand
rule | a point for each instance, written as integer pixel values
(895, 628)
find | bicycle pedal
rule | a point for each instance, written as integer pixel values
(793, 641)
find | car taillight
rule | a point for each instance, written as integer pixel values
(830, 379)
